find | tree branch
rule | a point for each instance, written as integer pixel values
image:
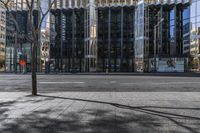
(45, 14)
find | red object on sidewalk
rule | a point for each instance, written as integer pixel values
(22, 62)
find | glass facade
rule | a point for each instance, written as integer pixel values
(169, 38)
(103, 41)
(90, 37)
(186, 29)
(127, 63)
(115, 39)
(117, 36)
(17, 46)
(194, 61)
(139, 37)
(67, 52)
(172, 34)
(17, 38)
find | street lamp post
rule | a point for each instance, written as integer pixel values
(155, 32)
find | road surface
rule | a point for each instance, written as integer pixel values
(101, 83)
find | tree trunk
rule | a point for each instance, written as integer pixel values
(33, 69)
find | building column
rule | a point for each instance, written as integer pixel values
(175, 27)
(109, 28)
(75, 5)
(122, 35)
(81, 3)
(57, 45)
(70, 3)
(85, 43)
(73, 39)
(61, 41)
(96, 50)
(161, 31)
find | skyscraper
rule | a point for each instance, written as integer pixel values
(125, 35)
(119, 36)
(18, 45)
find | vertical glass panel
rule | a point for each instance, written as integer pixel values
(186, 30)
(193, 20)
(172, 24)
(193, 9)
(198, 18)
(172, 32)
(198, 8)
(139, 36)
(186, 26)
(186, 13)
(186, 20)
(171, 14)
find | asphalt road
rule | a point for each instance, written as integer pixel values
(100, 83)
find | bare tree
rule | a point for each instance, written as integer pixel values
(34, 29)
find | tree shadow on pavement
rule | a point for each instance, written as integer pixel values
(130, 119)
(152, 111)
(72, 122)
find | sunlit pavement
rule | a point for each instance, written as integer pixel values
(100, 104)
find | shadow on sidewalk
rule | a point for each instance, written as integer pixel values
(131, 119)
(147, 110)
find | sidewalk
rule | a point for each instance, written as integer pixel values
(100, 112)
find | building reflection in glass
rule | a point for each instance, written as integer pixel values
(139, 37)
(115, 39)
(67, 48)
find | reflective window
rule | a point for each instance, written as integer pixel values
(198, 18)
(139, 37)
(172, 24)
(198, 7)
(171, 14)
(193, 20)
(186, 13)
(193, 9)
(186, 20)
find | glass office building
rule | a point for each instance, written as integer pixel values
(115, 39)
(168, 37)
(73, 36)
(194, 34)
(67, 48)
(17, 43)
(125, 36)
(111, 36)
